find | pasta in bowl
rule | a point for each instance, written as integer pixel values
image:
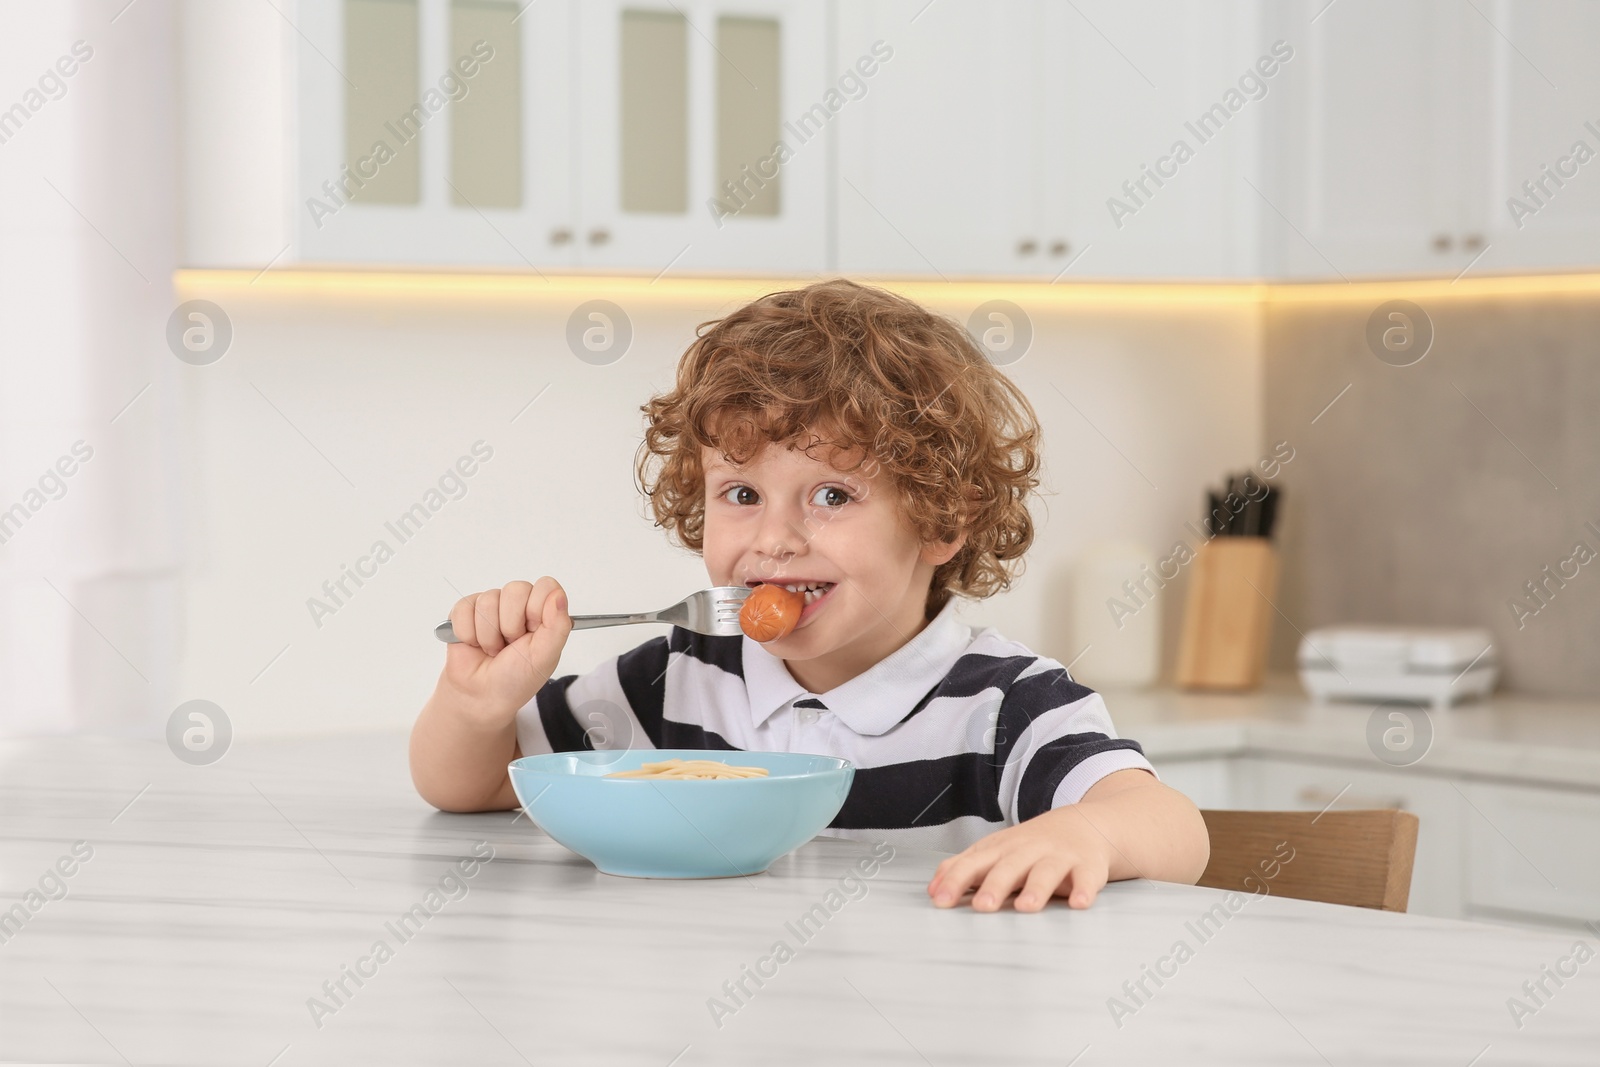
(681, 813)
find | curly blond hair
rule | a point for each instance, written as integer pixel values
(870, 373)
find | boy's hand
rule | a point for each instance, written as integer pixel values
(1057, 853)
(510, 643)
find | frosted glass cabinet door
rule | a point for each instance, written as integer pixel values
(694, 145)
(435, 132)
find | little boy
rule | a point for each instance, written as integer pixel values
(845, 441)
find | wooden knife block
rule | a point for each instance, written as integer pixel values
(1227, 620)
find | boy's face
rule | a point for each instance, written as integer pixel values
(791, 518)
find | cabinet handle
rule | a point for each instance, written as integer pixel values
(1059, 248)
(1027, 246)
(1324, 797)
(1441, 242)
(560, 235)
(1472, 242)
(599, 237)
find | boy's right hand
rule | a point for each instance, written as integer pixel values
(510, 641)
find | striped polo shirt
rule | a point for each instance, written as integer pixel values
(954, 735)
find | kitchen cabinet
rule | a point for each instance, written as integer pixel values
(1414, 127)
(1379, 153)
(1530, 852)
(1545, 85)
(703, 135)
(433, 132)
(465, 132)
(987, 147)
(939, 158)
(1120, 87)
(1207, 781)
(895, 137)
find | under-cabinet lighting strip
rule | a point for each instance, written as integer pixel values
(489, 285)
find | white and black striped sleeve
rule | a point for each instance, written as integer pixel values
(1054, 740)
(615, 705)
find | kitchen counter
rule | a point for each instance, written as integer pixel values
(219, 909)
(1505, 738)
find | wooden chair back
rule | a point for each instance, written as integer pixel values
(1359, 858)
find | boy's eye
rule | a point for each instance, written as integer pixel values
(732, 495)
(838, 499)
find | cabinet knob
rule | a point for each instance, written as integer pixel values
(599, 237)
(560, 235)
(1441, 242)
(1027, 246)
(1059, 248)
(1472, 242)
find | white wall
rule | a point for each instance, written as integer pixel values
(390, 387)
(88, 243)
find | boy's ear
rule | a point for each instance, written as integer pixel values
(940, 552)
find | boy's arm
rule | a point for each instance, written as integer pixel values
(510, 644)
(1128, 825)
(460, 765)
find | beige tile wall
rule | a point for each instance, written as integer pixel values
(1432, 493)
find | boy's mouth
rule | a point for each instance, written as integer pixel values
(813, 589)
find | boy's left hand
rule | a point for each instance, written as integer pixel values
(1056, 853)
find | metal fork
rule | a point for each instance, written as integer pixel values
(713, 611)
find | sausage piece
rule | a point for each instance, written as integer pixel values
(770, 612)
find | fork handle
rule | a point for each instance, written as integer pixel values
(447, 633)
(589, 622)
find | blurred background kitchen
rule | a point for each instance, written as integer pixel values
(316, 316)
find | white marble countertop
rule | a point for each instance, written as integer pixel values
(218, 900)
(1505, 738)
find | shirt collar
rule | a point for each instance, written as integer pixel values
(875, 700)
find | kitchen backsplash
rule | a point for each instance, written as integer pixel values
(1459, 489)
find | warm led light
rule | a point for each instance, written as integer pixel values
(525, 286)
(1417, 289)
(413, 285)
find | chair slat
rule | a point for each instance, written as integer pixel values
(1359, 858)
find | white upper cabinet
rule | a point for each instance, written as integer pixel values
(1541, 198)
(1374, 162)
(939, 160)
(1150, 114)
(692, 136)
(435, 131)
(953, 138)
(702, 133)
(998, 136)
(1417, 125)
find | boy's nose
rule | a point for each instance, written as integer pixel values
(780, 540)
(777, 552)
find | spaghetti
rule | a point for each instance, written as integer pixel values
(693, 768)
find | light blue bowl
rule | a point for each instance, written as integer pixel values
(680, 829)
